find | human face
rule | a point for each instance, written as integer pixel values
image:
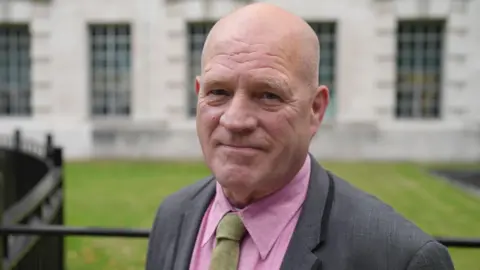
(254, 117)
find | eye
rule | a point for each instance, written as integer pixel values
(270, 96)
(218, 92)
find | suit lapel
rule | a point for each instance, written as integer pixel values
(190, 224)
(310, 231)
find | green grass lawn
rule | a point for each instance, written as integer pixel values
(126, 194)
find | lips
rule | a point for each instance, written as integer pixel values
(237, 147)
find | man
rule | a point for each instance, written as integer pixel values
(269, 204)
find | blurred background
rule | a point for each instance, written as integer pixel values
(113, 82)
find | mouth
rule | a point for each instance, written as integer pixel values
(240, 148)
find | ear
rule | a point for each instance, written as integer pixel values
(197, 85)
(319, 106)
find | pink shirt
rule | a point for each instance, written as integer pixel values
(270, 223)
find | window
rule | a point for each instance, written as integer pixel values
(110, 69)
(15, 88)
(326, 32)
(419, 69)
(197, 34)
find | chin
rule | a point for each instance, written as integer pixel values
(232, 175)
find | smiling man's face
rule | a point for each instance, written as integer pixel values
(256, 114)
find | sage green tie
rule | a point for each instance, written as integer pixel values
(226, 253)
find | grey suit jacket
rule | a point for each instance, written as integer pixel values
(340, 228)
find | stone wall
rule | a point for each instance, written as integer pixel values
(364, 126)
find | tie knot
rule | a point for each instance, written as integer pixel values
(230, 227)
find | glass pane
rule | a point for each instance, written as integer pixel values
(110, 70)
(326, 32)
(197, 34)
(15, 70)
(419, 57)
(327, 37)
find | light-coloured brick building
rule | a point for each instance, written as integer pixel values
(114, 77)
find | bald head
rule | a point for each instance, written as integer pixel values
(276, 28)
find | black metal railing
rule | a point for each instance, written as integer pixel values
(31, 194)
(52, 230)
(32, 227)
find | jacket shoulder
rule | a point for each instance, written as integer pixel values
(375, 229)
(173, 205)
(164, 229)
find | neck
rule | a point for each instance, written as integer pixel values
(242, 198)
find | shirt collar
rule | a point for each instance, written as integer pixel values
(273, 212)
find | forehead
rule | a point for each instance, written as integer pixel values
(231, 59)
(246, 45)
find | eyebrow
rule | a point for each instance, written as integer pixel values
(272, 82)
(215, 81)
(275, 83)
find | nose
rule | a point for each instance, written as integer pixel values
(239, 116)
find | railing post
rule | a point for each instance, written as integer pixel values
(15, 165)
(2, 238)
(49, 147)
(17, 140)
(57, 155)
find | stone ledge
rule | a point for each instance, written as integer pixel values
(183, 1)
(127, 124)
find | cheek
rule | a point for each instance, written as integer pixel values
(211, 118)
(280, 127)
(207, 120)
(215, 118)
(289, 128)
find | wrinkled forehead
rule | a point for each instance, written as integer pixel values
(247, 43)
(257, 61)
(248, 50)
